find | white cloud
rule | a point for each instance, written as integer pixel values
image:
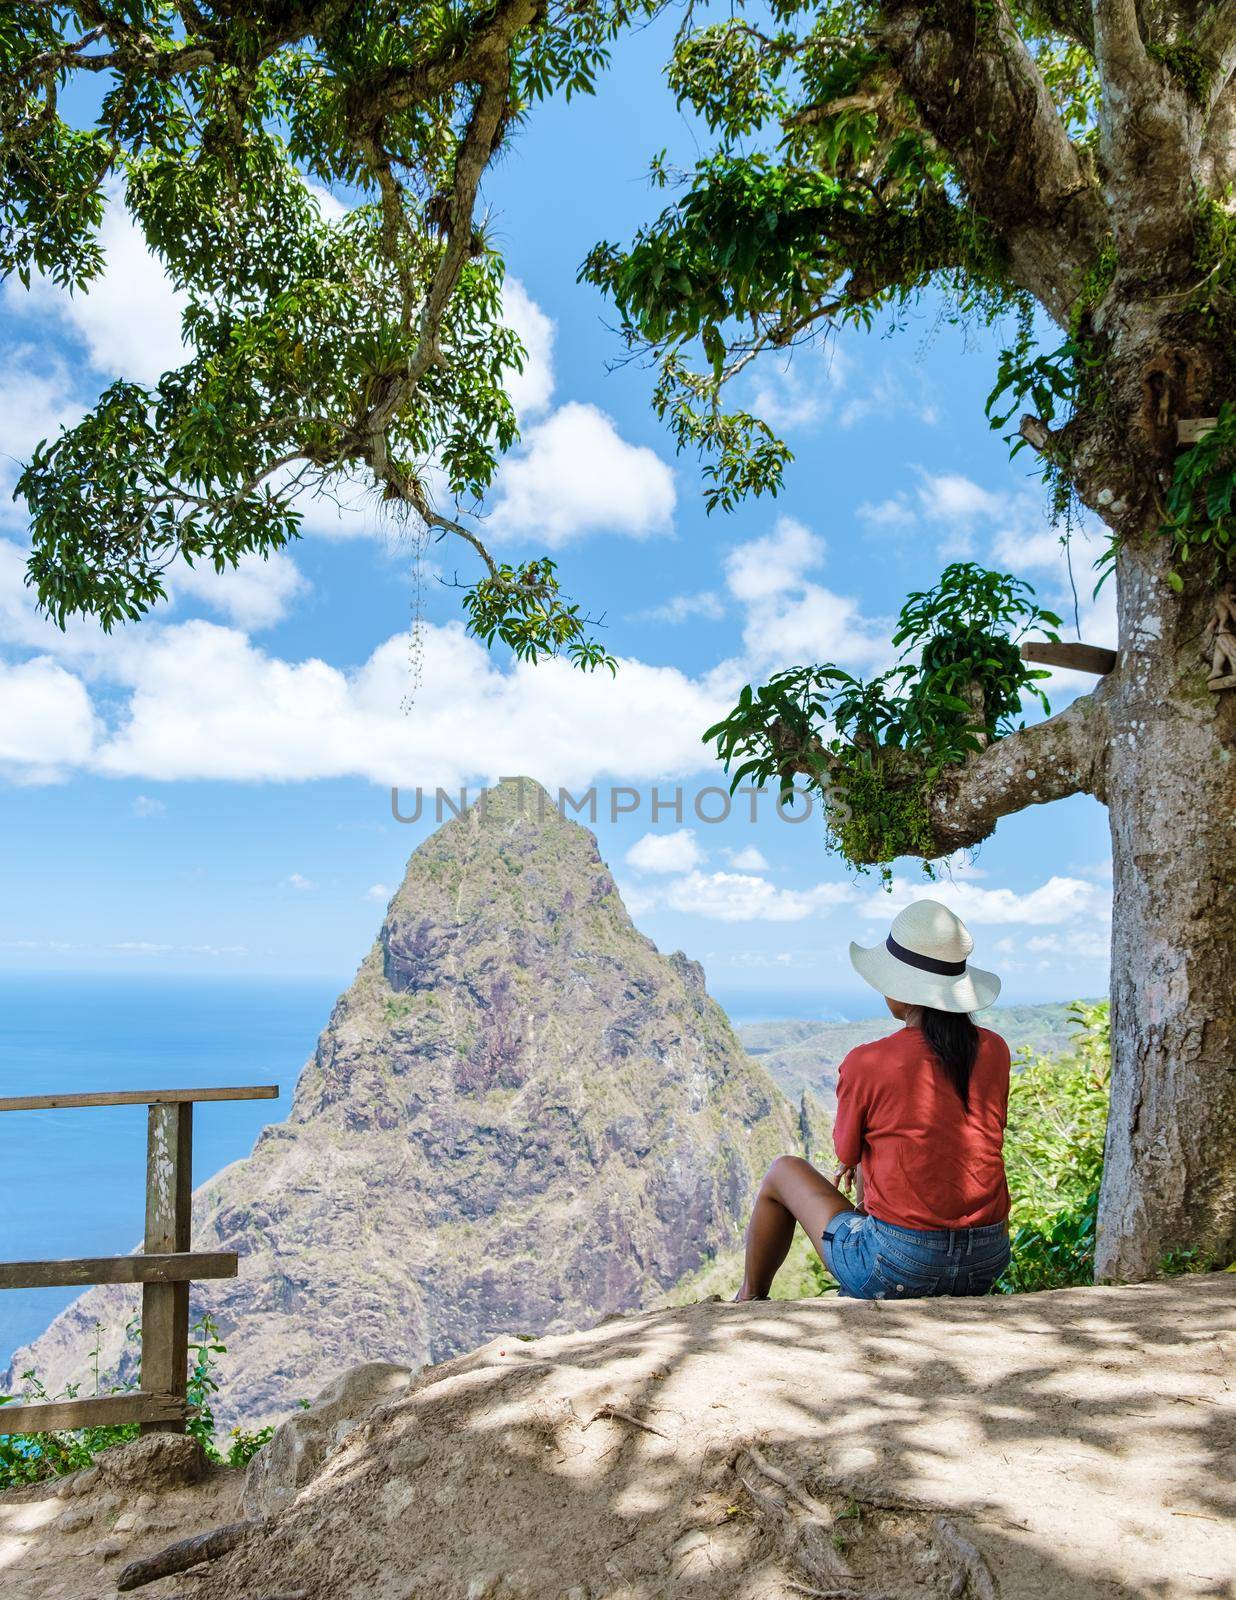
(205, 702)
(748, 859)
(817, 625)
(47, 722)
(637, 899)
(742, 897)
(1028, 538)
(379, 892)
(256, 593)
(576, 475)
(791, 619)
(665, 852)
(349, 506)
(297, 881)
(1086, 944)
(81, 644)
(895, 512)
(1058, 900)
(681, 607)
(1018, 547)
(199, 700)
(531, 389)
(785, 403)
(129, 317)
(893, 394)
(950, 496)
(144, 806)
(799, 390)
(960, 864)
(36, 401)
(773, 563)
(1026, 541)
(332, 209)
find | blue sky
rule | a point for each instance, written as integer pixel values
(209, 790)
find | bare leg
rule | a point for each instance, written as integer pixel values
(792, 1192)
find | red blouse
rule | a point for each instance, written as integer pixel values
(926, 1162)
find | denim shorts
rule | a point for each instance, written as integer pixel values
(874, 1260)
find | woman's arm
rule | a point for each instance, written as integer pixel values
(849, 1122)
(848, 1178)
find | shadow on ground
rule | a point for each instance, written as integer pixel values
(1072, 1445)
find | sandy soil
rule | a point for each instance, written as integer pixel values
(1077, 1445)
(71, 1537)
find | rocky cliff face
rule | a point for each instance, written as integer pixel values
(521, 1116)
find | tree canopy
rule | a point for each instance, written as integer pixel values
(321, 348)
(1028, 164)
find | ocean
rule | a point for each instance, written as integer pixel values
(74, 1181)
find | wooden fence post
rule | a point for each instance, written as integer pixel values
(165, 1306)
(164, 1269)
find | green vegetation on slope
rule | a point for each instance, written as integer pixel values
(1053, 1155)
(33, 1457)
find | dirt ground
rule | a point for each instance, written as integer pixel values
(1069, 1446)
(72, 1536)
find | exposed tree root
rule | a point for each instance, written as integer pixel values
(971, 1574)
(185, 1553)
(624, 1416)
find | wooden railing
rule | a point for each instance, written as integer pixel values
(164, 1269)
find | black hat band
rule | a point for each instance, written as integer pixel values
(946, 969)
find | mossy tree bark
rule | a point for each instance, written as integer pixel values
(1170, 1174)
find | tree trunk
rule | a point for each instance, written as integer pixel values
(1170, 1176)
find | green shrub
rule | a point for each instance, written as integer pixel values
(1054, 1157)
(34, 1457)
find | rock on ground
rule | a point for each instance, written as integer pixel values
(302, 1443)
(1068, 1446)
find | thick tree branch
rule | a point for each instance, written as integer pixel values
(980, 93)
(471, 160)
(1147, 139)
(485, 49)
(1063, 756)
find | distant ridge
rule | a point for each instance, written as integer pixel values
(802, 1054)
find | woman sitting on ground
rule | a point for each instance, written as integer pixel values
(920, 1118)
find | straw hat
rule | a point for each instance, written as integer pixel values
(923, 962)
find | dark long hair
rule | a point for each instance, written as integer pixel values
(954, 1043)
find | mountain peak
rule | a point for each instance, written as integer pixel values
(520, 1114)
